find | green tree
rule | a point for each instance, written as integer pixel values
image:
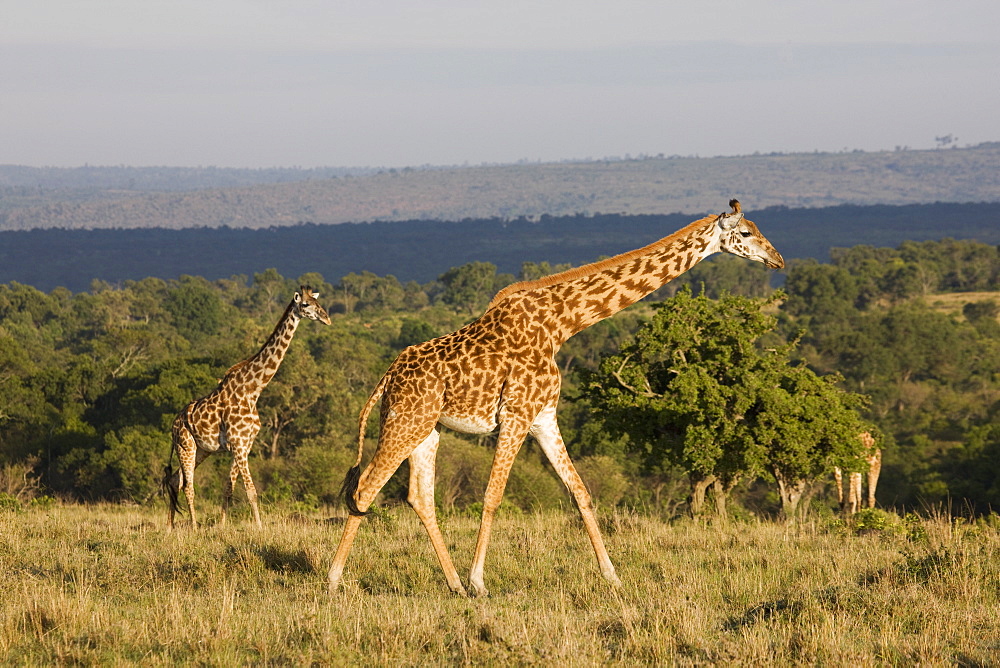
(532, 271)
(196, 308)
(682, 388)
(413, 331)
(355, 289)
(469, 287)
(705, 387)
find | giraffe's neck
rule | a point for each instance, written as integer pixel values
(576, 299)
(256, 372)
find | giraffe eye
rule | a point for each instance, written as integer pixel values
(745, 233)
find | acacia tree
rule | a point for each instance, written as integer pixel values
(701, 388)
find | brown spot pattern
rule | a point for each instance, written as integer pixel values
(499, 371)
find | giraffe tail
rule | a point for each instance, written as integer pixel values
(351, 480)
(168, 473)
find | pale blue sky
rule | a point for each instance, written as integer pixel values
(248, 83)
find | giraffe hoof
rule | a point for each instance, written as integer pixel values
(479, 591)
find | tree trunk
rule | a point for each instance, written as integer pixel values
(791, 492)
(699, 485)
(720, 493)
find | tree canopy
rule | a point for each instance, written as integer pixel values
(705, 388)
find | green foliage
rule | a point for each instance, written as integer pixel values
(875, 521)
(132, 461)
(196, 308)
(90, 382)
(916, 531)
(9, 503)
(43, 502)
(413, 331)
(470, 287)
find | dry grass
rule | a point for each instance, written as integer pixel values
(107, 585)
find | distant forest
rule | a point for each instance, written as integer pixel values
(420, 250)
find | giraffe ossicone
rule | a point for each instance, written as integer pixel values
(227, 420)
(500, 372)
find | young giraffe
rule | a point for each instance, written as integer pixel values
(500, 371)
(227, 418)
(850, 502)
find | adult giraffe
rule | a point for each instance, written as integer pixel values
(500, 371)
(227, 418)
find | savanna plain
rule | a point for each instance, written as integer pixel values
(107, 585)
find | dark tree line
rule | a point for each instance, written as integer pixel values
(418, 250)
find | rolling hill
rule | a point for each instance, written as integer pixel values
(177, 198)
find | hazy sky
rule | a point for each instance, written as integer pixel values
(255, 83)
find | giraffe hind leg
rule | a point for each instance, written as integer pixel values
(392, 449)
(421, 499)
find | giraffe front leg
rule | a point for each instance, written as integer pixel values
(251, 491)
(545, 429)
(240, 469)
(512, 435)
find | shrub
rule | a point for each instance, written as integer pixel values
(9, 503)
(873, 520)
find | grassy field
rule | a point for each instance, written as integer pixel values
(107, 585)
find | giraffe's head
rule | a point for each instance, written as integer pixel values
(739, 236)
(307, 305)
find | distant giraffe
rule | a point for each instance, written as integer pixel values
(500, 371)
(227, 418)
(850, 502)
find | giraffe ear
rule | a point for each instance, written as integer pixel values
(728, 221)
(298, 298)
(315, 295)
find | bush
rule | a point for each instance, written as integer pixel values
(9, 503)
(873, 520)
(312, 473)
(43, 502)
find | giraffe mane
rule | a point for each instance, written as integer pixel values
(236, 367)
(239, 365)
(593, 267)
